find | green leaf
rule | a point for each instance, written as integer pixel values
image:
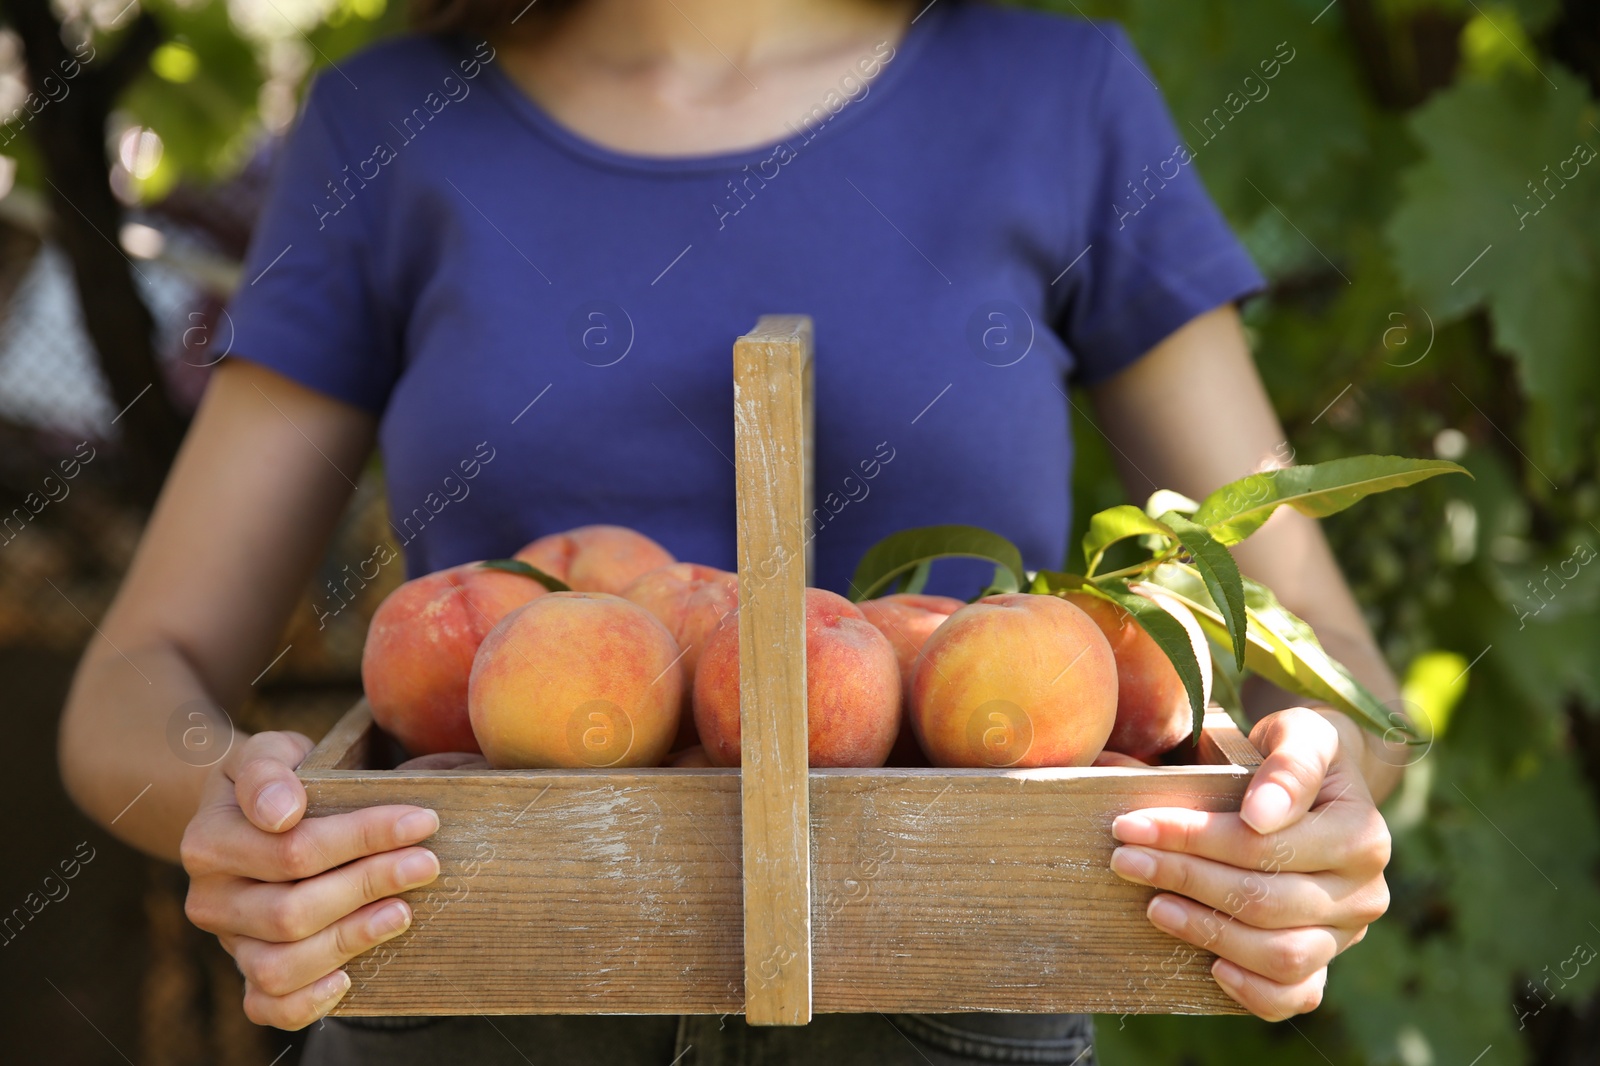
(1004, 580)
(517, 566)
(910, 548)
(917, 579)
(1504, 211)
(1220, 573)
(1114, 524)
(1046, 581)
(1281, 648)
(1163, 500)
(1239, 508)
(1297, 117)
(1170, 637)
(1225, 685)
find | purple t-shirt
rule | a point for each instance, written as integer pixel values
(993, 207)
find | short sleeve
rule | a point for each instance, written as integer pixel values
(306, 305)
(1158, 251)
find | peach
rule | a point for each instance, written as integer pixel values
(1153, 713)
(1015, 680)
(575, 679)
(693, 602)
(691, 757)
(852, 688)
(419, 652)
(908, 620)
(446, 760)
(1116, 758)
(596, 558)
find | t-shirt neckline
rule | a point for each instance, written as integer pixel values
(531, 111)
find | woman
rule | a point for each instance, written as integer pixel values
(526, 241)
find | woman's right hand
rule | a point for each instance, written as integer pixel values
(293, 899)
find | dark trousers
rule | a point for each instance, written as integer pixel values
(704, 1040)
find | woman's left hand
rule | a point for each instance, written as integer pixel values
(1279, 889)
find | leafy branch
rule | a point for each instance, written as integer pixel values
(1189, 559)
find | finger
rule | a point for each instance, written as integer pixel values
(281, 969)
(1297, 746)
(1283, 955)
(219, 788)
(1280, 901)
(284, 913)
(299, 1008)
(1265, 998)
(265, 785)
(1346, 834)
(222, 841)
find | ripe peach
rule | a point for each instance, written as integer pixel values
(1015, 680)
(691, 757)
(1153, 714)
(419, 652)
(852, 688)
(595, 558)
(1116, 758)
(693, 602)
(446, 760)
(908, 620)
(576, 679)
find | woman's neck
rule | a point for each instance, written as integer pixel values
(712, 33)
(686, 77)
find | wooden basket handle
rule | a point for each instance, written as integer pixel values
(772, 461)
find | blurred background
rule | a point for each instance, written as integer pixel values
(1393, 179)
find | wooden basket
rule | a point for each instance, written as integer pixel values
(774, 890)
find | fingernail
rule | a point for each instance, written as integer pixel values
(331, 988)
(418, 825)
(1134, 829)
(274, 806)
(1133, 864)
(1227, 974)
(418, 868)
(390, 920)
(1267, 808)
(1166, 914)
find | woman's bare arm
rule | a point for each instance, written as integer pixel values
(1192, 415)
(245, 515)
(1274, 893)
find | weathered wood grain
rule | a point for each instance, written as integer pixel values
(603, 891)
(771, 372)
(348, 745)
(1222, 743)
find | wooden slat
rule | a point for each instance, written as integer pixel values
(560, 892)
(602, 892)
(771, 370)
(347, 746)
(1222, 743)
(992, 891)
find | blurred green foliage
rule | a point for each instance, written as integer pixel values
(1384, 332)
(1420, 184)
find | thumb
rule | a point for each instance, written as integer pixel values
(264, 782)
(1298, 746)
